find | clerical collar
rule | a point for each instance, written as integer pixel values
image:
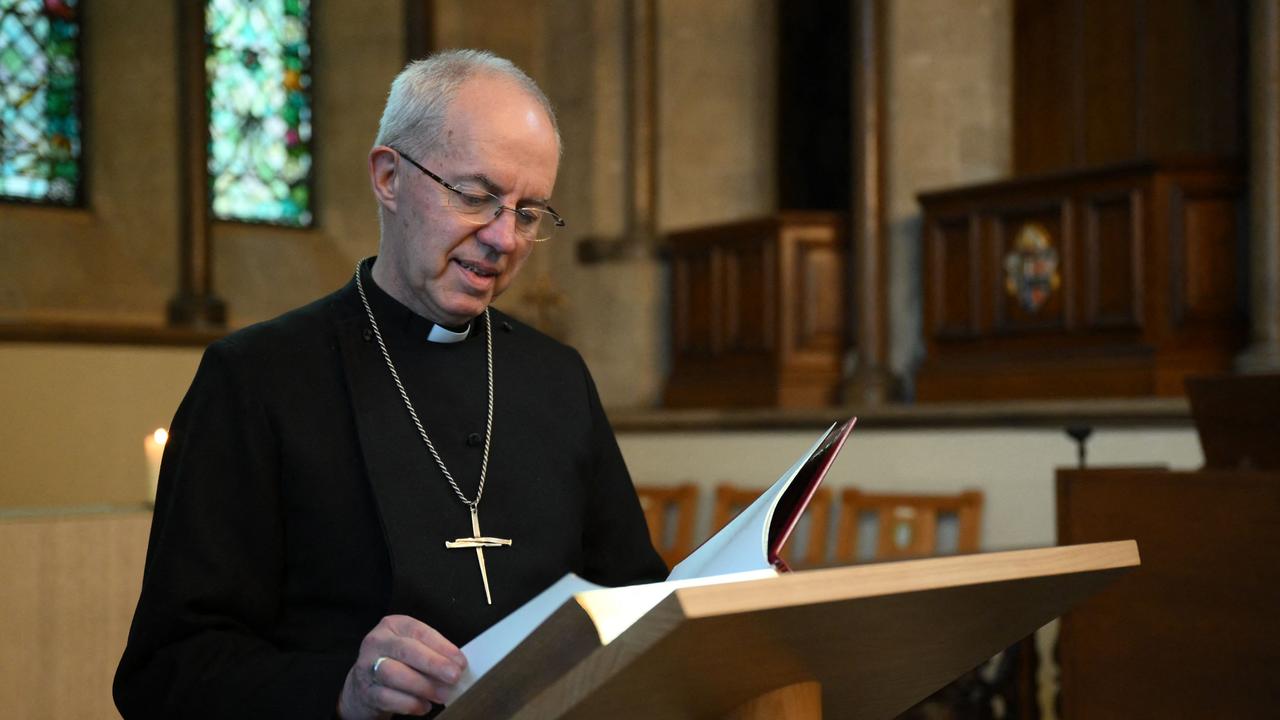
(403, 324)
(442, 334)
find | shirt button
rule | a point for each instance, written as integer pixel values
(475, 440)
(367, 334)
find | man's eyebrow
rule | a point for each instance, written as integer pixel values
(490, 186)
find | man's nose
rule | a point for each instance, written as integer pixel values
(499, 234)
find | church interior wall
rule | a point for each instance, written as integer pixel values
(947, 109)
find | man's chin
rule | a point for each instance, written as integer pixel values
(464, 311)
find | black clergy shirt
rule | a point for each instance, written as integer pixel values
(298, 505)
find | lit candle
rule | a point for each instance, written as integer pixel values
(154, 445)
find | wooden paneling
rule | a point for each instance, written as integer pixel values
(953, 268)
(1112, 253)
(694, 331)
(1045, 106)
(1145, 291)
(70, 587)
(1108, 106)
(816, 303)
(1206, 231)
(758, 312)
(1193, 633)
(744, 297)
(1098, 82)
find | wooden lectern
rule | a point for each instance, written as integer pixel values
(866, 641)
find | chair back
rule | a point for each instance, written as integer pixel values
(670, 512)
(907, 525)
(810, 535)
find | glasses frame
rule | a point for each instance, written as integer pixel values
(523, 212)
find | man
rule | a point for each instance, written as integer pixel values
(353, 490)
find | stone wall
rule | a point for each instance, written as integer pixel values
(949, 110)
(116, 259)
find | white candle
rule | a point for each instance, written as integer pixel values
(154, 446)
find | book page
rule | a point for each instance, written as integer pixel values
(612, 610)
(743, 544)
(486, 649)
(737, 553)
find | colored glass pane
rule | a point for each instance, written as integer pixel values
(258, 66)
(40, 140)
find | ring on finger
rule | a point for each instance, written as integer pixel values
(376, 664)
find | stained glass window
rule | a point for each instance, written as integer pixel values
(40, 141)
(258, 65)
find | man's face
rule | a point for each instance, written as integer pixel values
(438, 262)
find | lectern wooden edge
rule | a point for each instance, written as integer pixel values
(865, 641)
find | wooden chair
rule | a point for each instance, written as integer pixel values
(908, 524)
(663, 506)
(730, 500)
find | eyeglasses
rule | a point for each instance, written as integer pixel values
(479, 206)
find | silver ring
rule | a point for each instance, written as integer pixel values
(376, 664)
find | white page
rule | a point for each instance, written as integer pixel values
(612, 611)
(743, 544)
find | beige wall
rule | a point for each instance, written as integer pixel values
(75, 417)
(1014, 468)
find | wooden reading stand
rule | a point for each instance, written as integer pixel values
(866, 641)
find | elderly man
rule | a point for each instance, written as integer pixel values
(356, 488)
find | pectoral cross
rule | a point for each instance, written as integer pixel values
(479, 542)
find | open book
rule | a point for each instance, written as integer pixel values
(747, 548)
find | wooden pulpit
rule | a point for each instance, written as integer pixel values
(865, 641)
(758, 312)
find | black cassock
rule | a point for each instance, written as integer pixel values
(297, 504)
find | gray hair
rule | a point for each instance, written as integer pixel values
(414, 117)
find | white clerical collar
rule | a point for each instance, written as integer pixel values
(442, 334)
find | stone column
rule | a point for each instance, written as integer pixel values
(195, 303)
(1263, 353)
(640, 152)
(870, 383)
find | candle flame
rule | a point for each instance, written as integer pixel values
(161, 436)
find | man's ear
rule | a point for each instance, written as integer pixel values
(383, 176)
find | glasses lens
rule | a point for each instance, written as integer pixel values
(473, 201)
(546, 227)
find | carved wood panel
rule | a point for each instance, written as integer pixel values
(758, 312)
(953, 273)
(1113, 282)
(1112, 252)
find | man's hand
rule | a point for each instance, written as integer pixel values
(416, 662)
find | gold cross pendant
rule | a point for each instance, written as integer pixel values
(479, 542)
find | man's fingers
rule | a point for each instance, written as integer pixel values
(389, 699)
(423, 659)
(405, 626)
(398, 676)
(423, 635)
